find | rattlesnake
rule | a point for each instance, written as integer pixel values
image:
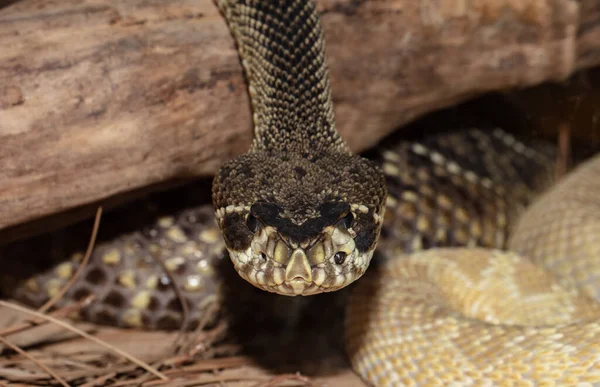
(300, 214)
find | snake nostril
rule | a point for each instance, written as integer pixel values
(263, 256)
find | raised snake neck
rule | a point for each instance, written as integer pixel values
(300, 214)
(283, 54)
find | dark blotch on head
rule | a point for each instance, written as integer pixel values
(366, 232)
(236, 232)
(266, 212)
(330, 213)
(299, 172)
(246, 171)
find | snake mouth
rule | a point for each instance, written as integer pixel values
(298, 285)
(298, 277)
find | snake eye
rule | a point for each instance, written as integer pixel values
(252, 223)
(348, 220)
(339, 257)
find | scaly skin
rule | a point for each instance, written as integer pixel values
(476, 316)
(299, 198)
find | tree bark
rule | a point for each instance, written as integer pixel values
(102, 97)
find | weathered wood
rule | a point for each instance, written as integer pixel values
(103, 97)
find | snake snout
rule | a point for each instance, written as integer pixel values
(298, 267)
(327, 262)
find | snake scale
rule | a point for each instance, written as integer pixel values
(300, 214)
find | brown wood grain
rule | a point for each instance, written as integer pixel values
(101, 97)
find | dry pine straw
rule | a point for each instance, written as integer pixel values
(43, 347)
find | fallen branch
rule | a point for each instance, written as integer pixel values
(102, 98)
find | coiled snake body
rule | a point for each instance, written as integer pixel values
(300, 214)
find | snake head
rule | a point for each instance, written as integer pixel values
(296, 224)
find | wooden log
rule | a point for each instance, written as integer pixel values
(101, 97)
